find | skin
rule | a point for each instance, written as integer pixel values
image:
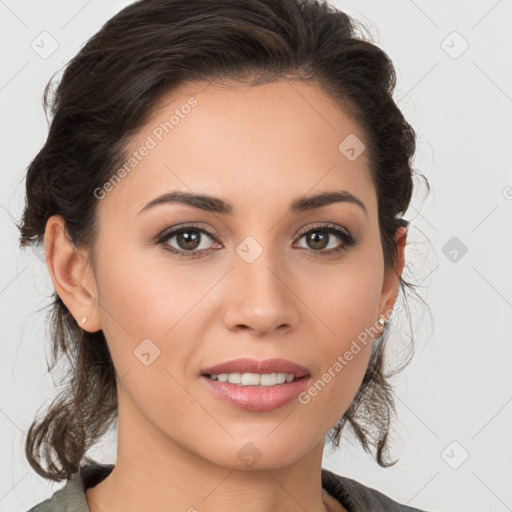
(258, 148)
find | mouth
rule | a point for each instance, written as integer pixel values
(256, 385)
(255, 379)
(256, 392)
(251, 372)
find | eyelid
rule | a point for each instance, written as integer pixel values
(323, 225)
(176, 230)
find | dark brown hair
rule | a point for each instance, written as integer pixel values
(109, 90)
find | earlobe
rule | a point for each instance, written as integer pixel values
(70, 273)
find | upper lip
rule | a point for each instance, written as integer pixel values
(247, 365)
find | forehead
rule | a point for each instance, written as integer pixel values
(255, 146)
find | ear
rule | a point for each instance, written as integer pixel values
(392, 278)
(72, 277)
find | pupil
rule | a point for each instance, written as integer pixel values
(190, 241)
(318, 239)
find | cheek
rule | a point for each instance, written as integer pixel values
(145, 295)
(333, 389)
(343, 301)
(149, 310)
(344, 314)
(143, 313)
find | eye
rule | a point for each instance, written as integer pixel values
(190, 240)
(319, 238)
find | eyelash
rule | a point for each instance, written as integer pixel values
(347, 239)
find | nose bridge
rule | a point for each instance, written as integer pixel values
(257, 265)
(262, 299)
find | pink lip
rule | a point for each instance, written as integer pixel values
(246, 365)
(256, 398)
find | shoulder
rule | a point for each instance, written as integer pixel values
(68, 498)
(71, 497)
(357, 497)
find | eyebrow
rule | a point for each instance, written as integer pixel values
(217, 205)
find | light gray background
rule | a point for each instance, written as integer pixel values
(454, 399)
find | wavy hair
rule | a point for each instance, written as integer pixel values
(109, 90)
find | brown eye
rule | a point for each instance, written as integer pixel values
(319, 238)
(187, 239)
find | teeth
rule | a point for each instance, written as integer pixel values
(254, 379)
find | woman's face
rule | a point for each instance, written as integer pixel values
(257, 287)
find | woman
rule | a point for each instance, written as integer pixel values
(220, 198)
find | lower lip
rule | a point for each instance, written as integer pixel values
(257, 398)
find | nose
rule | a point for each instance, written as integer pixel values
(260, 297)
